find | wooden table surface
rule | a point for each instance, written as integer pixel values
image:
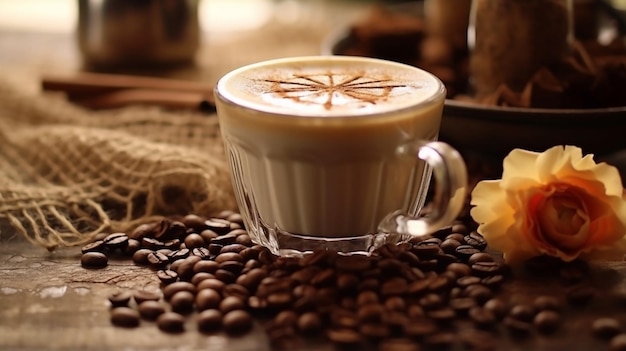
(49, 302)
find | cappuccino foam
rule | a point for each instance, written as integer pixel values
(329, 86)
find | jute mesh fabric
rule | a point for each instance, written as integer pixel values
(67, 174)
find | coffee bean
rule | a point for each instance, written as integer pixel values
(225, 276)
(280, 299)
(146, 295)
(426, 250)
(344, 336)
(442, 314)
(179, 255)
(237, 321)
(342, 318)
(397, 344)
(368, 284)
(202, 252)
(464, 252)
(125, 317)
(182, 302)
(205, 266)
(440, 283)
(410, 258)
(547, 321)
(214, 284)
(94, 260)
(231, 303)
(309, 323)
(132, 247)
(486, 268)
(449, 246)
(167, 276)
(226, 239)
(479, 292)
(420, 327)
(479, 257)
(229, 256)
(522, 312)
(185, 267)
(95, 246)
(236, 218)
(287, 318)
(395, 303)
(477, 340)
(209, 320)
(150, 310)
(456, 237)
(476, 240)
(497, 307)
(120, 299)
(233, 267)
(347, 281)
(171, 322)
(517, 327)
(252, 278)
(218, 225)
(207, 299)
(431, 301)
(372, 312)
(324, 277)
(375, 331)
(215, 249)
(143, 230)
(194, 240)
(618, 343)
(394, 286)
(482, 317)
(237, 291)
(462, 305)
(151, 243)
(193, 221)
(366, 297)
(116, 241)
(208, 235)
(459, 269)
(390, 265)
(157, 260)
(175, 231)
(236, 248)
(171, 289)
(198, 277)
(493, 282)
(545, 302)
(418, 287)
(467, 281)
(605, 327)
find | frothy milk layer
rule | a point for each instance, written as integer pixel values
(329, 86)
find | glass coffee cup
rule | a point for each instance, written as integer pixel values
(337, 152)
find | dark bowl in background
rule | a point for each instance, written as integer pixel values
(495, 131)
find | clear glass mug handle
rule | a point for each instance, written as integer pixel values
(450, 175)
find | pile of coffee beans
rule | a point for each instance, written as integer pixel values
(401, 297)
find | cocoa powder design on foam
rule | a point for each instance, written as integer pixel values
(302, 87)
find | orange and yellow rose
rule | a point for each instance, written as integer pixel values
(555, 203)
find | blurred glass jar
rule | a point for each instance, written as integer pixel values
(137, 33)
(448, 20)
(510, 40)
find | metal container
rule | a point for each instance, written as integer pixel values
(137, 33)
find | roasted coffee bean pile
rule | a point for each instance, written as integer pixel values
(401, 297)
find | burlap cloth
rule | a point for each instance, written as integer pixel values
(67, 173)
